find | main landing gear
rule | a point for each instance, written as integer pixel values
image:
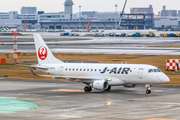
(148, 91)
(87, 89)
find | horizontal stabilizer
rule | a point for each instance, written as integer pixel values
(39, 67)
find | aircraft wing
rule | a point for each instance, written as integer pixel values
(72, 78)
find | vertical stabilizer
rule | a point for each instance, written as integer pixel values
(44, 55)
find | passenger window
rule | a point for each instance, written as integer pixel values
(66, 69)
(87, 69)
(91, 69)
(76, 69)
(80, 69)
(73, 69)
(99, 69)
(84, 69)
(95, 70)
(150, 71)
(69, 69)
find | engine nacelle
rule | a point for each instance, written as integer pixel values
(99, 84)
(129, 85)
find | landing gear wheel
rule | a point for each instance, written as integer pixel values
(109, 88)
(148, 91)
(87, 89)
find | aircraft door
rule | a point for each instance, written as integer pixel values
(61, 70)
(140, 73)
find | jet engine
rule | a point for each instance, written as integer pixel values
(99, 84)
(129, 85)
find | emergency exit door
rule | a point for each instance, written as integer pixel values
(61, 70)
(140, 73)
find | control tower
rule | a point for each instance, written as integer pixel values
(68, 4)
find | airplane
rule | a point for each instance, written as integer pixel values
(96, 75)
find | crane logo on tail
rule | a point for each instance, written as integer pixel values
(42, 52)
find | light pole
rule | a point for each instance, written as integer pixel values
(116, 15)
(79, 17)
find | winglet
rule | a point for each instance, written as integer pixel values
(33, 72)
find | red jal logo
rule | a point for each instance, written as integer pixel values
(42, 53)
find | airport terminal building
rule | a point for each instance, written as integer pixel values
(99, 20)
(68, 20)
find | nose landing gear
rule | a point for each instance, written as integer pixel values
(148, 91)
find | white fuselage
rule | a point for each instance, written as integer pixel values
(116, 74)
(96, 75)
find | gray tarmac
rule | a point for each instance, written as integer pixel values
(95, 45)
(66, 100)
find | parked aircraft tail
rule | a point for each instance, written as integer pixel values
(44, 55)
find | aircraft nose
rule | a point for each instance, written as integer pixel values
(166, 79)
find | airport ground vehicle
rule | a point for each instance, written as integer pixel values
(171, 35)
(64, 34)
(137, 34)
(151, 34)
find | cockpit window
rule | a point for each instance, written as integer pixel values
(153, 70)
(157, 70)
(150, 71)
